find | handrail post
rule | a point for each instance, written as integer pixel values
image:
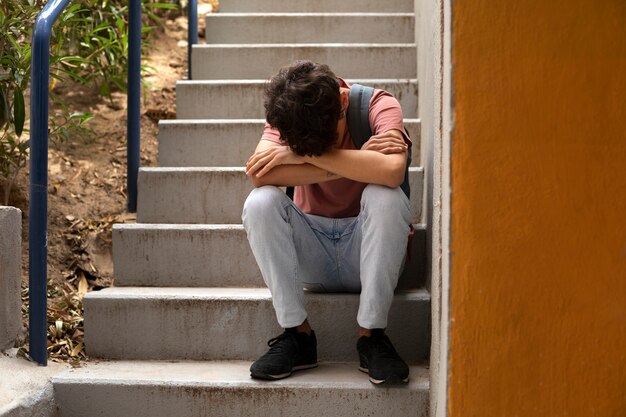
(192, 31)
(38, 209)
(133, 131)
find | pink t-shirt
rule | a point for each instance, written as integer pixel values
(342, 198)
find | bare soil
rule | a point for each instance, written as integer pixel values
(87, 188)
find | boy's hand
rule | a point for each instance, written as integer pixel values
(262, 162)
(386, 143)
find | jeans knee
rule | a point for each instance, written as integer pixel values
(261, 202)
(385, 200)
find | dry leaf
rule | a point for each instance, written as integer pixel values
(83, 286)
(76, 350)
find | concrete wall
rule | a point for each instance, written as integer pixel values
(433, 84)
(10, 276)
(538, 209)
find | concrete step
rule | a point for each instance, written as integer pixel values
(243, 99)
(318, 6)
(209, 256)
(250, 61)
(224, 389)
(235, 323)
(214, 195)
(226, 142)
(310, 28)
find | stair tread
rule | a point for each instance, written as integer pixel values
(222, 293)
(240, 169)
(219, 373)
(186, 226)
(309, 14)
(261, 81)
(234, 121)
(344, 45)
(264, 6)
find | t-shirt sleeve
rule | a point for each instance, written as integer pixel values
(386, 114)
(271, 134)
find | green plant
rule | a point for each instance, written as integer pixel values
(89, 44)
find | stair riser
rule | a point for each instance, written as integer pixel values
(245, 62)
(244, 100)
(318, 6)
(161, 256)
(236, 329)
(214, 196)
(304, 28)
(192, 196)
(203, 144)
(266, 400)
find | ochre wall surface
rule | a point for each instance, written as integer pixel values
(538, 212)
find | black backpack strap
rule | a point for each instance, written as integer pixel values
(289, 192)
(359, 124)
(359, 114)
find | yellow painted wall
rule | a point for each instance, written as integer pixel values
(538, 212)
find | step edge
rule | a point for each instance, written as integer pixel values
(262, 82)
(333, 45)
(259, 294)
(310, 14)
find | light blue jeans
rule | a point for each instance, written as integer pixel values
(295, 250)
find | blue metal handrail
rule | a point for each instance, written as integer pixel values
(38, 209)
(192, 31)
(133, 131)
(134, 88)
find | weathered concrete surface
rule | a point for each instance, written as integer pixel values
(162, 255)
(203, 143)
(235, 323)
(26, 387)
(243, 99)
(372, 6)
(309, 28)
(435, 74)
(227, 142)
(10, 277)
(192, 195)
(224, 389)
(254, 61)
(214, 195)
(183, 255)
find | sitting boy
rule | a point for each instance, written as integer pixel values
(347, 227)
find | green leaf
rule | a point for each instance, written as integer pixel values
(4, 107)
(169, 6)
(19, 113)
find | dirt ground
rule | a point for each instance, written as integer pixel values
(87, 188)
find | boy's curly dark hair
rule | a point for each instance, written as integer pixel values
(303, 103)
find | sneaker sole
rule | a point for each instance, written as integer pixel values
(270, 377)
(391, 379)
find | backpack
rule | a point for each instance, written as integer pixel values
(360, 130)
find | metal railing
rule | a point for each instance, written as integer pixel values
(192, 31)
(134, 88)
(38, 209)
(133, 131)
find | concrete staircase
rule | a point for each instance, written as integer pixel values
(190, 311)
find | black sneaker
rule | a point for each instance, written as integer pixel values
(379, 359)
(291, 351)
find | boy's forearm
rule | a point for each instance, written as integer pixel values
(365, 166)
(292, 175)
